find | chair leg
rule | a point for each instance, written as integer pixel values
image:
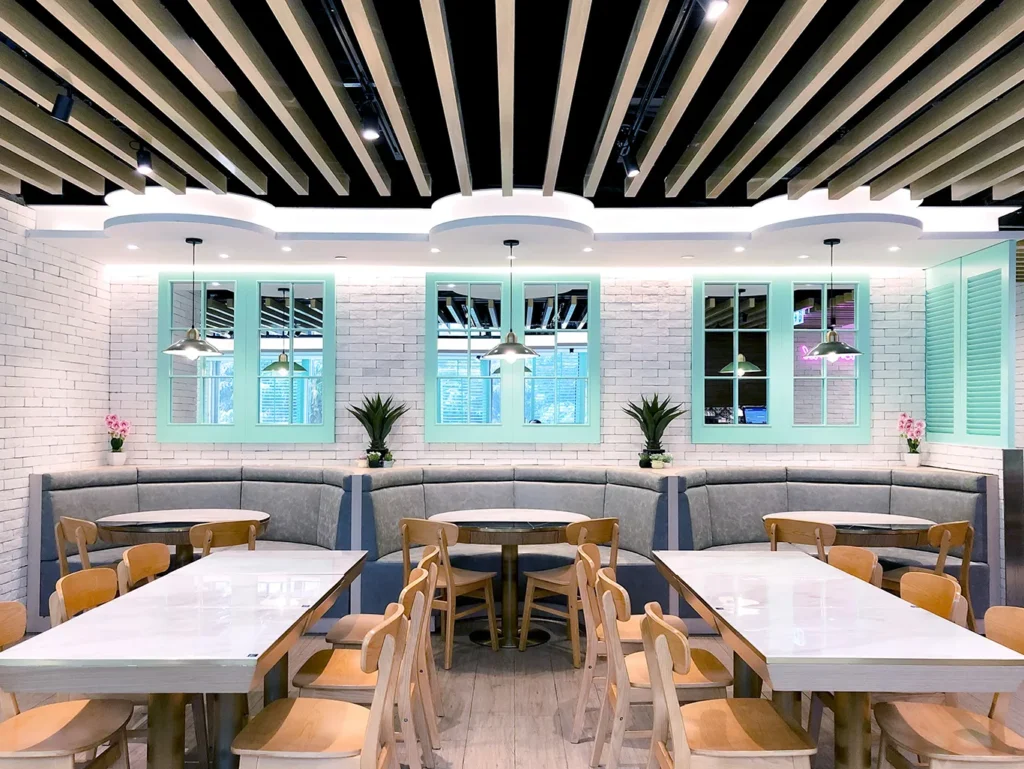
(121, 740)
(198, 704)
(492, 620)
(449, 635)
(659, 734)
(425, 702)
(584, 693)
(411, 731)
(428, 746)
(603, 723)
(814, 722)
(883, 745)
(432, 680)
(619, 724)
(524, 628)
(574, 628)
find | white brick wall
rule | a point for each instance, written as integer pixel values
(54, 374)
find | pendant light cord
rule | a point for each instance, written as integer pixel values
(193, 285)
(510, 290)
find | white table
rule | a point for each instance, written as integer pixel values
(803, 625)
(219, 626)
(866, 529)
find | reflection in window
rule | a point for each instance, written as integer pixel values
(202, 390)
(736, 353)
(468, 325)
(291, 338)
(824, 392)
(556, 321)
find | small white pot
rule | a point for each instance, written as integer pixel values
(117, 458)
(389, 463)
(657, 465)
(912, 460)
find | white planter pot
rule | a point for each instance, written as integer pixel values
(117, 458)
(657, 465)
(912, 460)
(389, 464)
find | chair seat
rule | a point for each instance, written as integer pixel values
(351, 629)
(629, 631)
(63, 728)
(706, 671)
(747, 727)
(939, 731)
(563, 576)
(464, 577)
(304, 728)
(334, 669)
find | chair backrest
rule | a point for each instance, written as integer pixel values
(588, 561)
(382, 651)
(13, 619)
(415, 599)
(223, 534)
(142, 563)
(948, 536)
(795, 532)
(858, 562)
(1004, 625)
(84, 590)
(936, 593)
(615, 608)
(667, 651)
(418, 531)
(599, 531)
(81, 532)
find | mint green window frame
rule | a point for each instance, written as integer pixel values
(513, 427)
(245, 427)
(970, 348)
(781, 428)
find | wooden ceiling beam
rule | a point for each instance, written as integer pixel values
(707, 42)
(786, 26)
(972, 50)
(435, 21)
(30, 82)
(645, 28)
(852, 33)
(930, 25)
(1005, 168)
(568, 71)
(965, 164)
(38, 152)
(29, 172)
(505, 24)
(1006, 189)
(164, 31)
(117, 52)
(9, 184)
(362, 16)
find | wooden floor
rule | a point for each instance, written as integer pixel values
(506, 710)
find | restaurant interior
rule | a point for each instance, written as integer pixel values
(504, 384)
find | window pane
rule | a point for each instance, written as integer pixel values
(220, 307)
(841, 305)
(842, 401)
(718, 401)
(308, 401)
(185, 400)
(452, 312)
(803, 343)
(486, 311)
(718, 353)
(753, 347)
(719, 310)
(218, 400)
(182, 309)
(452, 401)
(753, 306)
(451, 364)
(545, 364)
(807, 306)
(572, 353)
(484, 400)
(572, 401)
(308, 301)
(275, 304)
(807, 401)
(846, 365)
(539, 401)
(572, 305)
(539, 306)
(753, 402)
(274, 400)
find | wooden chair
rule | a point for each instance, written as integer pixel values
(79, 531)
(337, 674)
(944, 735)
(944, 536)
(223, 534)
(629, 680)
(588, 561)
(858, 562)
(713, 734)
(321, 733)
(142, 564)
(456, 583)
(821, 535)
(561, 581)
(48, 737)
(349, 631)
(938, 593)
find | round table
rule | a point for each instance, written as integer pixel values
(510, 528)
(170, 527)
(866, 529)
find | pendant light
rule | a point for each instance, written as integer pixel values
(510, 350)
(832, 348)
(193, 346)
(741, 367)
(282, 366)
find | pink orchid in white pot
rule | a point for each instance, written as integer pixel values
(118, 429)
(912, 430)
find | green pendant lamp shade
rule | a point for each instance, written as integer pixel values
(510, 350)
(832, 348)
(193, 346)
(741, 366)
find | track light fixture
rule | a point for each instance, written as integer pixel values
(62, 105)
(371, 125)
(628, 159)
(143, 158)
(715, 9)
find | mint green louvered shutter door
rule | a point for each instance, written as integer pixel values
(984, 350)
(940, 359)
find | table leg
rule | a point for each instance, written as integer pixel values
(275, 682)
(229, 716)
(183, 555)
(745, 682)
(165, 735)
(788, 705)
(509, 597)
(853, 730)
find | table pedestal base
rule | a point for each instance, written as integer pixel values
(183, 555)
(165, 735)
(535, 638)
(853, 730)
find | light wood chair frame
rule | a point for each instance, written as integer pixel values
(858, 562)
(797, 532)
(208, 536)
(80, 531)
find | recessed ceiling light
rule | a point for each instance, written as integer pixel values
(804, 256)
(451, 285)
(687, 256)
(341, 257)
(286, 249)
(224, 256)
(893, 249)
(215, 283)
(587, 250)
(132, 247)
(435, 250)
(715, 9)
(739, 249)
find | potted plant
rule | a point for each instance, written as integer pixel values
(912, 430)
(658, 461)
(653, 416)
(378, 416)
(118, 429)
(389, 460)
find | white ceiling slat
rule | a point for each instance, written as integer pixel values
(645, 28)
(29, 172)
(985, 124)
(435, 21)
(365, 22)
(9, 184)
(957, 61)
(1009, 187)
(853, 31)
(1004, 166)
(157, 24)
(29, 117)
(53, 53)
(786, 26)
(505, 23)
(232, 33)
(92, 27)
(40, 153)
(568, 70)
(24, 77)
(707, 42)
(980, 157)
(930, 25)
